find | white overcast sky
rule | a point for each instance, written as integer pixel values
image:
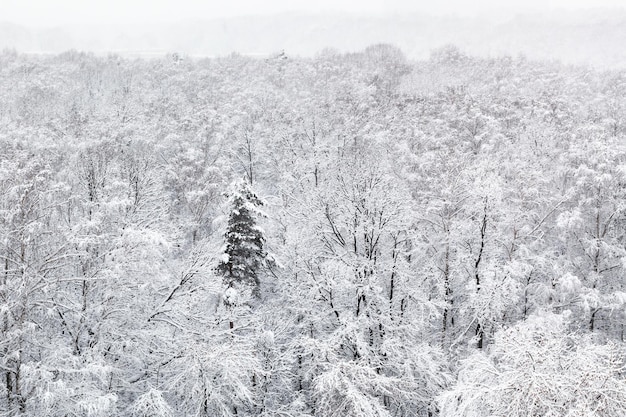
(62, 12)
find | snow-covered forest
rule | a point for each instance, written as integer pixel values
(348, 235)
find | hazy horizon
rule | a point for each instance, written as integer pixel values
(579, 32)
(38, 14)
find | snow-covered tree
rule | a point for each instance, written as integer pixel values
(244, 255)
(540, 368)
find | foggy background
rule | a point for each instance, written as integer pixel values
(579, 31)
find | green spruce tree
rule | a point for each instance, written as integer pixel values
(243, 253)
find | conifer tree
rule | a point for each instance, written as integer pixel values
(243, 254)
